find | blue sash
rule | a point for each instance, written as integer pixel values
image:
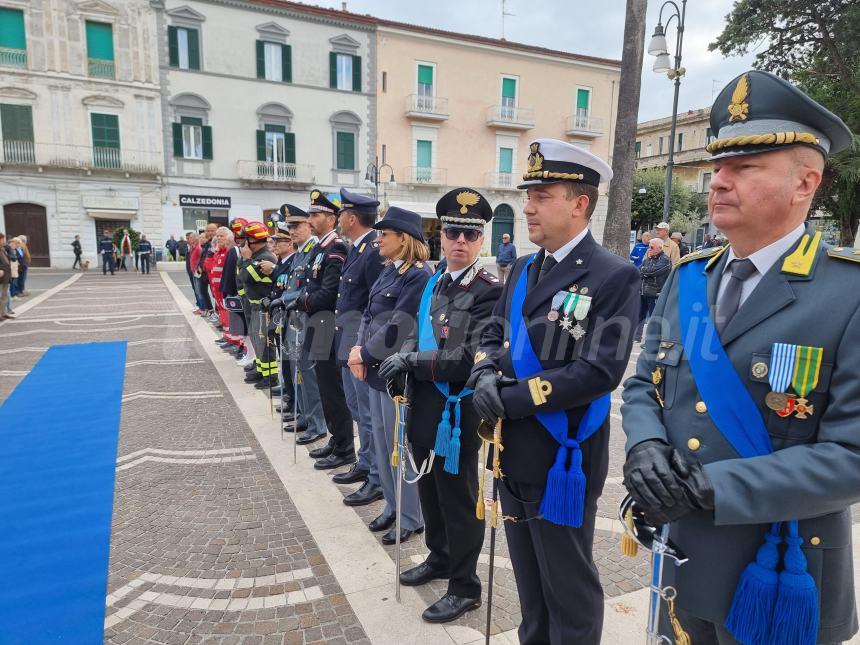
(768, 608)
(447, 437)
(564, 496)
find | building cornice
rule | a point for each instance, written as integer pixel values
(691, 116)
(298, 12)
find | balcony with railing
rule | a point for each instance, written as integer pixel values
(101, 68)
(13, 57)
(90, 159)
(508, 116)
(582, 124)
(502, 180)
(421, 176)
(431, 108)
(276, 172)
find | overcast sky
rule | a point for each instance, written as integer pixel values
(595, 28)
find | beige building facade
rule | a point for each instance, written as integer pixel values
(457, 110)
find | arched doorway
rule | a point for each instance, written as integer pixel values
(30, 220)
(503, 222)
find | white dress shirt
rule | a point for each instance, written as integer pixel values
(565, 250)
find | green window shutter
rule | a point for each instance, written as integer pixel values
(193, 49)
(356, 73)
(509, 88)
(261, 145)
(207, 141)
(680, 141)
(332, 69)
(287, 63)
(17, 122)
(424, 158)
(638, 148)
(105, 130)
(290, 147)
(582, 99)
(269, 127)
(173, 46)
(506, 160)
(261, 59)
(178, 149)
(425, 75)
(191, 120)
(345, 151)
(99, 40)
(12, 32)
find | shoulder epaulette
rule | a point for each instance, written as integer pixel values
(308, 246)
(844, 253)
(487, 276)
(700, 254)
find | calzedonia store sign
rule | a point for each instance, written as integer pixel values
(204, 201)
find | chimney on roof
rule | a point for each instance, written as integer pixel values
(343, 5)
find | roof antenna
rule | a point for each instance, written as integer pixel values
(505, 13)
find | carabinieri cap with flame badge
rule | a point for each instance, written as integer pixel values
(551, 161)
(760, 112)
(464, 208)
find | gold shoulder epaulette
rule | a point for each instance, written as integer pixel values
(844, 253)
(700, 255)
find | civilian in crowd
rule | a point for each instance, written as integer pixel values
(19, 264)
(77, 250)
(683, 247)
(637, 253)
(505, 257)
(669, 247)
(182, 249)
(5, 278)
(654, 270)
(171, 246)
(24, 267)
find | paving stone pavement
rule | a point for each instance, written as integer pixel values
(206, 544)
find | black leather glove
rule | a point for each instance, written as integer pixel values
(292, 305)
(486, 398)
(265, 302)
(650, 478)
(276, 304)
(697, 487)
(398, 364)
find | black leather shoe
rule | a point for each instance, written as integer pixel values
(367, 494)
(285, 408)
(391, 537)
(306, 438)
(334, 460)
(352, 476)
(421, 575)
(449, 607)
(253, 377)
(250, 367)
(381, 523)
(322, 451)
(276, 389)
(266, 383)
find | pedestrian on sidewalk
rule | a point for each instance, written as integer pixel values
(455, 313)
(5, 278)
(78, 251)
(144, 250)
(637, 253)
(654, 270)
(390, 316)
(505, 256)
(171, 246)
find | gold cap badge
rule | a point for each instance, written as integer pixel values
(466, 199)
(739, 108)
(315, 194)
(535, 158)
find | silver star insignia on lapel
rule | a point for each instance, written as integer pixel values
(579, 260)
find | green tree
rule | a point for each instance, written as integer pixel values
(815, 44)
(647, 206)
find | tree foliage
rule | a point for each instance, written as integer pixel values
(647, 207)
(815, 44)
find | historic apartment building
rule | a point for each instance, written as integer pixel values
(457, 110)
(262, 100)
(80, 118)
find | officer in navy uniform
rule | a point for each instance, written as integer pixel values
(578, 307)
(144, 250)
(322, 279)
(106, 249)
(361, 269)
(458, 308)
(781, 324)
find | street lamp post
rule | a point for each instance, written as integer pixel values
(372, 176)
(658, 48)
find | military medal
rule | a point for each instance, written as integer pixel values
(444, 333)
(557, 299)
(800, 365)
(776, 401)
(580, 311)
(782, 358)
(552, 316)
(807, 369)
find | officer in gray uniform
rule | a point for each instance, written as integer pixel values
(742, 417)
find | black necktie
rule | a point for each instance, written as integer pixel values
(730, 301)
(548, 263)
(444, 282)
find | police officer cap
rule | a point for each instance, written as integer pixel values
(760, 112)
(465, 208)
(282, 231)
(551, 161)
(399, 219)
(293, 214)
(358, 203)
(321, 204)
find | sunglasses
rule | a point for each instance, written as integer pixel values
(453, 233)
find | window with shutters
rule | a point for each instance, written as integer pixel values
(345, 151)
(13, 39)
(192, 138)
(660, 145)
(17, 130)
(100, 61)
(106, 143)
(638, 149)
(680, 142)
(509, 98)
(274, 61)
(345, 72)
(183, 47)
(583, 107)
(423, 160)
(709, 136)
(276, 152)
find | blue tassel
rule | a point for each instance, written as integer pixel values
(443, 434)
(452, 459)
(564, 497)
(751, 614)
(795, 620)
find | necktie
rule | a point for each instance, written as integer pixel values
(444, 282)
(728, 304)
(548, 263)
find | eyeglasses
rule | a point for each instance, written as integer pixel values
(453, 233)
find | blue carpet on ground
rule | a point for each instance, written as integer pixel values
(58, 442)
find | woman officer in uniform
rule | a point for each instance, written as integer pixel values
(387, 322)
